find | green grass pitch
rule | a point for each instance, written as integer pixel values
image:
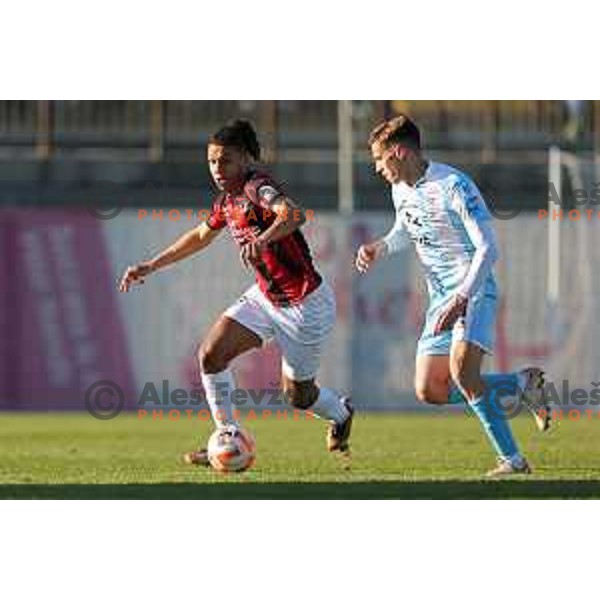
(394, 456)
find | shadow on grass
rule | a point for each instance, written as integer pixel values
(452, 490)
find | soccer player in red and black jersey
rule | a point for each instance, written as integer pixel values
(290, 301)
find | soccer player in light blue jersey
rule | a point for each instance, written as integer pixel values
(442, 212)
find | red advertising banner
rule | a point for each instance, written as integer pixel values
(59, 310)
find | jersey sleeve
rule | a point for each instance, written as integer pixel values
(262, 190)
(267, 194)
(469, 204)
(216, 219)
(396, 238)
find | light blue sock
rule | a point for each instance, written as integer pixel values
(455, 396)
(490, 413)
(504, 384)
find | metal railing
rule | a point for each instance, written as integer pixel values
(157, 130)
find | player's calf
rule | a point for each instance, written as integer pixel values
(300, 394)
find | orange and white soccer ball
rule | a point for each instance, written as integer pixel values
(231, 449)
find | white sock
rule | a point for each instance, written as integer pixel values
(329, 406)
(218, 388)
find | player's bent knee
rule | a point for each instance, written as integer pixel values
(431, 395)
(210, 360)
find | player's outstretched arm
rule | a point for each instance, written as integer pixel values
(189, 243)
(370, 253)
(394, 241)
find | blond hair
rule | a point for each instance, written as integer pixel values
(399, 130)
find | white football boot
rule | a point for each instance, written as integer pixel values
(506, 467)
(533, 396)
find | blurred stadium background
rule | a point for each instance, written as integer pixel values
(65, 164)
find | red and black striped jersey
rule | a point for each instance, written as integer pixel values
(284, 272)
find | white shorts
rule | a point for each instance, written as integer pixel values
(300, 329)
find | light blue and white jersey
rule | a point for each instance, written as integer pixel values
(447, 219)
